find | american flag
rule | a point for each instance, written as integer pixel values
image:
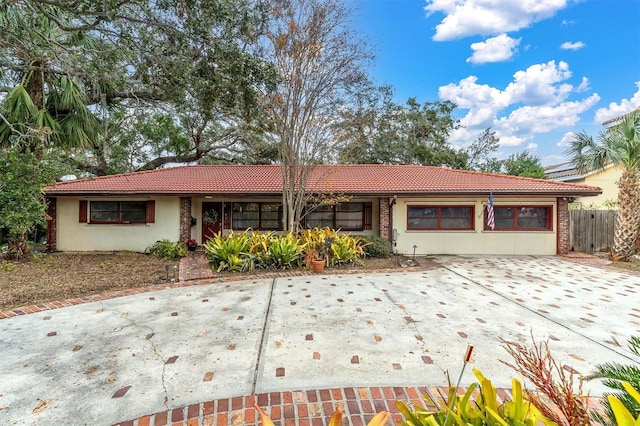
(491, 220)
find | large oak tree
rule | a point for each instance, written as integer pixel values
(93, 72)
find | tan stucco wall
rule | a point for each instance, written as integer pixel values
(607, 181)
(75, 236)
(477, 241)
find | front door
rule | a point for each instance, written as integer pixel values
(211, 220)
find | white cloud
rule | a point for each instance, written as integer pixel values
(510, 140)
(487, 17)
(535, 101)
(584, 86)
(568, 45)
(615, 110)
(537, 85)
(532, 146)
(482, 101)
(565, 141)
(494, 49)
(567, 22)
(543, 119)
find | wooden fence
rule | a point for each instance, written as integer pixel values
(591, 230)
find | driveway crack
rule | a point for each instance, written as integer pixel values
(149, 337)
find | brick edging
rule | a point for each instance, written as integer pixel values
(45, 306)
(310, 407)
(303, 408)
(25, 310)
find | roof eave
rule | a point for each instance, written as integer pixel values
(461, 193)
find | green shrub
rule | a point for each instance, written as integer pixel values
(376, 246)
(330, 244)
(166, 249)
(317, 241)
(249, 250)
(259, 244)
(285, 252)
(621, 413)
(624, 380)
(230, 252)
(345, 248)
(482, 409)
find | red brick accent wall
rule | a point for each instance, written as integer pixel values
(52, 224)
(562, 246)
(385, 218)
(185, 219)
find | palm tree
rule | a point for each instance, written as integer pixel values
(617, 146)
(613, 376)
(46, 104)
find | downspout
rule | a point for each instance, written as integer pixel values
(392, 237)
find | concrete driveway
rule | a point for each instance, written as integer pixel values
(119, 359)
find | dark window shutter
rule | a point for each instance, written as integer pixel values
(151, 211)
(367, 223)
(227, 223)
(82, 212)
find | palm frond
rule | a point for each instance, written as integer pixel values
(634, 345)
(586, 154)
(624, 138)
(19, 106)
(616, 372)
(613, 376)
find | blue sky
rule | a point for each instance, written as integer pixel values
(535, 71)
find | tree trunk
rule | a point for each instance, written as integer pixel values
(18, 246)
(628, 220)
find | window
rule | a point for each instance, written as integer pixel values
(256, 216)
(345, 216)
(440, 218)
(522, 218)
(320, 217)
(117, 212)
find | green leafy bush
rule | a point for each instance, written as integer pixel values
(230, 252)
(376, 246)
(166, 249)
(285, 252)
(317, 241)
(345, 248)
(250, 249)
(621, 413)
(326, 243)
(624, 380)
(476, 408)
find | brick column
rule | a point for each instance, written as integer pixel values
(562, 228)
(385, 219)
(52, 224)
(185, 219)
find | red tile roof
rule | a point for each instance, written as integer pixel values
(366, 179)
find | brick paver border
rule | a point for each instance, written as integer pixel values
(310, 407)
(183, 282)
(301, 408)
